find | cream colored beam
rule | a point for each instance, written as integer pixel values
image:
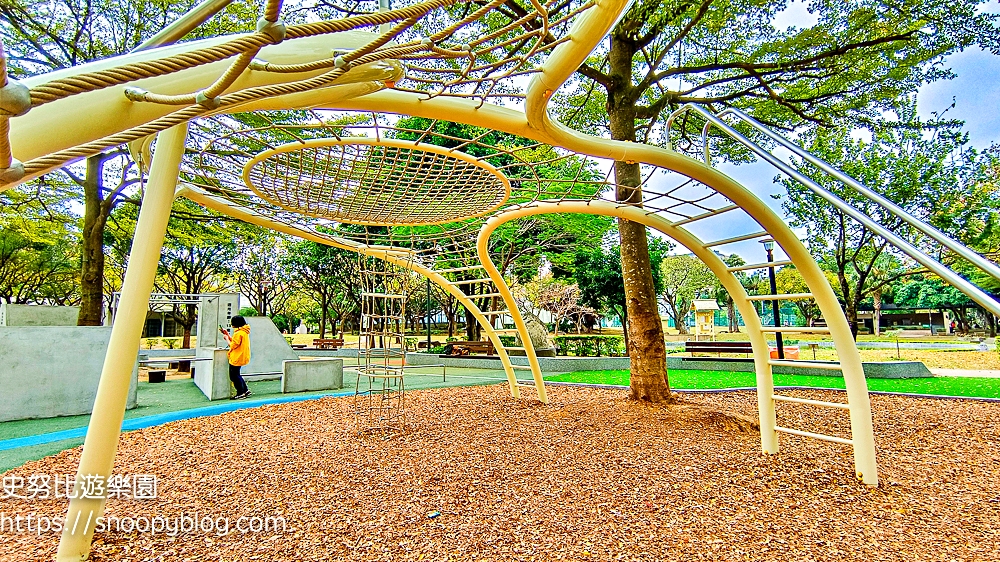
(101, 442)
(482, 248)
(765, 385)
(389, 255)
(93, 115)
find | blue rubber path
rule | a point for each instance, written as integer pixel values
(159, 419)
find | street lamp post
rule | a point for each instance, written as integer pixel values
(775, 309)
(428, 314)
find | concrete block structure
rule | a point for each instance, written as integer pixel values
(212, 375)
(37, 315)
(50, 371)
(322, 374)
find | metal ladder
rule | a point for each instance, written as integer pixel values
(949, 275)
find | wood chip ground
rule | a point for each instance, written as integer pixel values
(480, 476)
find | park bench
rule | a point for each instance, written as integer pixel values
(422, 344)
(471, 347)
(328, 343)
(717, 347)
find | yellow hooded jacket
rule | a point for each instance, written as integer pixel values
(239, 347)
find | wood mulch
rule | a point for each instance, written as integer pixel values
(480, 476)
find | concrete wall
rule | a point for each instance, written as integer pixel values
(49, 371)
(322, 374)
(874, 370)
(212, 377)
(35, 315)
(268, 348)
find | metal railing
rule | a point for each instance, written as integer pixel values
(918, 255)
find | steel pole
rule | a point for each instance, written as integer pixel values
(775, 308)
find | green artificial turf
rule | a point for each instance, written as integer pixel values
(691, 379)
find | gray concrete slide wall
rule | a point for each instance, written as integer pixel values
(49, 371)
(321, 374)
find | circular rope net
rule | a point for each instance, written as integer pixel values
(380, 184)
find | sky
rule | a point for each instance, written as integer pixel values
(975, 91)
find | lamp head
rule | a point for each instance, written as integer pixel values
(768, 244)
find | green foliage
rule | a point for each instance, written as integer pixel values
(289, 339)
(599, 276)
(410, 343)
(151, 342)
(248, 311)
(171, 343)
(38, 259)
(590, 345)
(508, 340)
(853, 63)
(685, 278)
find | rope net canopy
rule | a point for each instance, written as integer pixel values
(421, 185)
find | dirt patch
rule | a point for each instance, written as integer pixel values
(592, 476)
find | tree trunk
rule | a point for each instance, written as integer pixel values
(95, 218)
(646, 346)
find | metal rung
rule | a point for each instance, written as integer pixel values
(759, 265)
(784, 297)
(820, 403)
(736, 239)
(514, 348)
(796, 329)
(496, 312)
(706, 215)
(384, 295)
(819, 436)
(831, 365)
(507, 331)
(454, 269)
(528, 384)
(520, 368)
(471, 281)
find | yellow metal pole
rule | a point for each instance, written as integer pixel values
(245, 215)
(761, 352)
(101, 442)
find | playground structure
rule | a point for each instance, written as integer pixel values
(296, 128)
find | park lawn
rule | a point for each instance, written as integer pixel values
(702, 380)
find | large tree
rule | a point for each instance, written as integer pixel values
(852, 62)
(47, 36)
(685, 278)
(331, 277)
(916, 164)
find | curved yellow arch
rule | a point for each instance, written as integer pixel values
(387, 254)
(862, 434)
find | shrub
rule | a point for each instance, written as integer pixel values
(508, 341)
(437, 350)
(591, 345)
(150, 342)
(289, 339)
(171, 343)
(410, 344)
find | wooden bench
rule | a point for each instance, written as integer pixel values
(470, 347)
(328, 343)
(718, 347)
(422, 344)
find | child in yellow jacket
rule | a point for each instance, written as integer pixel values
(239, 354)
